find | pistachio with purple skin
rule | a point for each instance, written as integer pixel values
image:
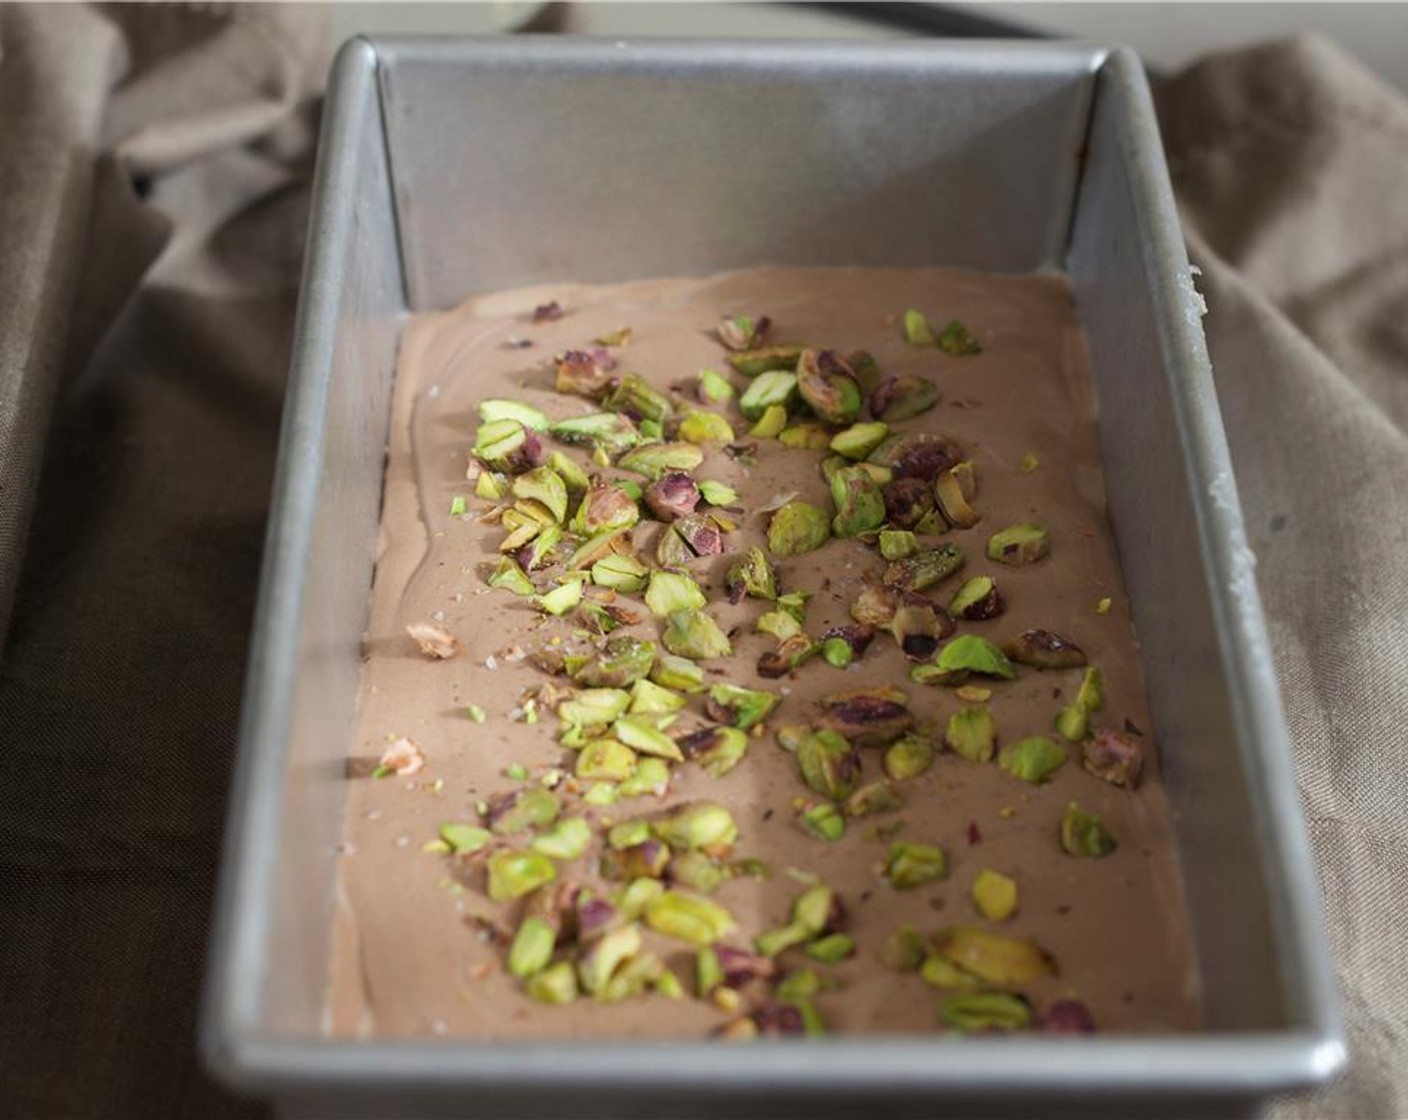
(1066, 1016)
(742, 966)
(753, 576)
(920, 455)
(700, 533)
(828, 384)
(603, 509)
(791, 654)
(779, 1019)
(647, 860)
(907, 501)
(633, 397)
(587, 373)
(744, 332)
(672, 495)
(904, 397)
(594, 916)
(1114, 757)
(867, 717)
(506, 445)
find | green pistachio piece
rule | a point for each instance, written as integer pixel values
(499, 409)
(696, 871)
(932, 674)
(688, 917)
(908, 757)
(648, 860)
(713, 387)
(924, 569)
(637, 895)
(673, 591)
(639, 975)
(1073, 723)
(671, 551)
(651, 779)
(797, 528)
(829, 764)
(827, 383)
(753, 576)
(597, 548)
(816, 909)
(702, 825)
(464, 839)
(702, 427)
(538, 552)
(627, 834)
(995, 895)
(605, 760)
(504, 445)
(633, 396)
(958, 340)
(770, 423)
(716, 750)
(994, 957)
(833, 949)
(655, 459)
(648, 698)
(908, 864)
(916, 329)
(776, 388)
(640, 736)
(805, 437)
(972, 734)
(940, 973)
(491, 486)
(743, 332)
(902, 398)
(778, 624)
(867, 717)
(860, 507)
(775, 941)
(555, 984)
(620, 572)
(859, 440)
(795, 604)
(837, 652)
(867, 370)
(875, 797)
(976, 655)
(543, 484)
(978, 598)
(717, 493)
(531, 951)
(986, 1011)
(824, 821)
(1082, 834)
(693, 633)
(1042, 649)
(708, 972)
(678, 673)
(609, 432)
(601, 793)
(594, 706)
(510, 576)
(897, 544)
(606, 954)
(752, 363)
(623, 661)
(1033, 759)
(903, 950)
(568, 839)
(514, 874)
(572, 475)
(1090, 695)
(917, 629)
(522, 809)
(1019, 544)
(604, 509)
(948, 493)
(740, 707)
(669, 986)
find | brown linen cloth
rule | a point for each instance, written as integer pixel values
(120, 681)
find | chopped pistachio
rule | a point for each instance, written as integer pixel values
(753, 576)
(671, 551)
(490, 486)
(647, 860)
(525, 414)
(522, 809)
(651, 778)
(824, 821)
(977, 599)
(789, 655)
(702, 533)
(740, 707)
(512, 577)
(506, 445)
(608, 432)
(543, 484)
(624, 660)
(1082, 834)
(605, 955)
(868, 717)
(948, 491)
(605, 509)
(837, 652)
(829, 764)
(944, 974)
(1114, 758)
(1029, 463)
(751, 363)
(673, 495)
(457, 506)
(932, 674)
(514, 874)
(1072, 723)
(797, 528)
(1044, 650)
(679, 673)
(986, 1011)
(696, 871)
(1033, 759)
(654, 459)
(907, 865)
(778, 624)
(517, 771)
(827, 383)
(688, 918)
(561, 599)
(538, 552)
(713, 388)
(860, 507)
(702, 427)
(636, 896)
(805, 437)
(859, 440)
(903, 397)
(993, 957)
(910, 504)
(1019, 544)
(897, 544)
(531, 951)
(876, 797)
(958, 340)
(464, 839)
(903, 950)
(1090, 695)
(832, 949)
(475, 713)
(693, 633)
(918, 628)
(770, 423)
(620, 572)
(975, 655)
(594, 706)
(673, 591)
(641, 737)
(701, 825)
(916, 329)
(606, 760)
(971, 734)
(743, 332)
(973, 693)
(908, 757)
(791, 736)
(995, 895)
(648, 698)
(601, 793)
(555, 984)
(667, 984)
(1103, 606)
(708, 972)
(777, 387)
(633, 396)
(567, 840)
(924, 569)
(717, 493)
(572, 475)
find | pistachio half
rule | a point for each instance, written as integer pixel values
(860, 507)
(829, 764)
(655, 459)
(600, 960)
(672, 495)
(904, 397)
(1044, 650)
(824, 821)
(1033, 759)
(908, 865)
(920, 455)
(694, 634)
(958, 340)
(717, 750)
(903, 950)
(876, 797)
(609, 432)
(994, 957)
(521, 809)
(977, 599)
(908, 501)
(948, 490)
(972, 734)
(647, 860)
(973, 654)
(908, 757)
(924, 569)
(688, 917)
(774, 389)
(556, 984)
(867, 717)
(623, 660)
(828, 384)
(797, 528)
(603, 509)
(743, 332)
(585, 373)
(506, 445)
(751, 363)
(514, 874)
(859, 440)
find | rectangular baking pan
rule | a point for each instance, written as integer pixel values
(453, 167)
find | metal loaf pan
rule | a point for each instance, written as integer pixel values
(449, 168)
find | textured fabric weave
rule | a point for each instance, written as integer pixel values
(153, 178)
